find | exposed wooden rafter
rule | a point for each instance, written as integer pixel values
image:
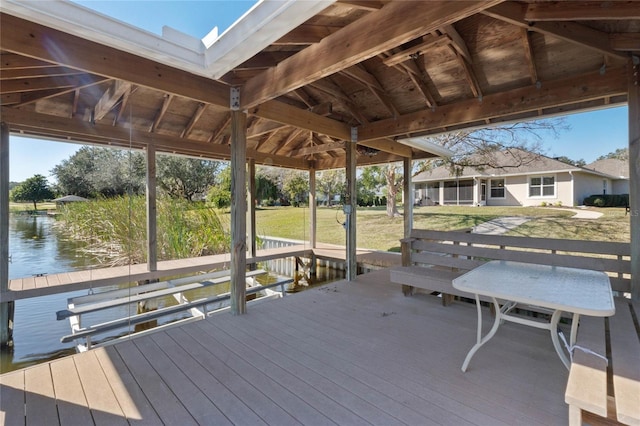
(582, 11)
(572, 32)
(428, 42)
(360, 74)
(110, 97)
(371, 5)
(629, 42)
(529, 54)
(218, 131)
(161, 112)
(529, 99)
(288, 140)
(396, 23)
(194, 119)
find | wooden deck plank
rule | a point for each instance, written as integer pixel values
(282, 395)
(40, 398)
(357, 352)
(163, 400)
(12, 399)
(70, 399)
(100, 398)
(201, 408)
(134, 404)
(53, 280)
(263, 357)
(264, 407)
(41, 281)
(235, 409)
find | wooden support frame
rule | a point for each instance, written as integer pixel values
(350, 208)
(152, 211)
(408, 196)
(5, 307)
(634, 172)
(251, 210)
(313, 221)
(238, 211)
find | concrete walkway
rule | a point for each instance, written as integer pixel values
(504, 224)
(500, 225)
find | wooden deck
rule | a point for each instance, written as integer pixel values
(354, 353)
(23, 288)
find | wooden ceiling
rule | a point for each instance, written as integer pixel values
(388, 69)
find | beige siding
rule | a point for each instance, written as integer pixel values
(586, 185)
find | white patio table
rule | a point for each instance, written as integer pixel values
(576, 291)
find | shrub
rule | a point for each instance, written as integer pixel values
(607, 200)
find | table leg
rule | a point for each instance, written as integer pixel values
(555, 318)
(479, 339)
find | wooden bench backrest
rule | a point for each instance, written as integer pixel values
(465, 251)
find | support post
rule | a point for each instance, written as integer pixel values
(350, 206)
(152, 212)
(408, 196)
(634, 173)
(6, 308)
(238, 211)
(251, 211)
(312, 207)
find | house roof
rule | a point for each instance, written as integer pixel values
(611, 166)
(312, 75)
(507, 163)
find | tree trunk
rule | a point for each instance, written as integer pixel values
(35, 207)
(392, 192)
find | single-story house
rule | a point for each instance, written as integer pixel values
(537, 180)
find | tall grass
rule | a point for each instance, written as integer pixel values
(115, 231)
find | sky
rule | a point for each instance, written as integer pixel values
(590, 136)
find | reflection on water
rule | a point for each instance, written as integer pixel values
(36, 247)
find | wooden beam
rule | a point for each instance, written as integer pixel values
(388, 145)
(308, 150)
(629, 42)
(351, 203)
(469, 73)
(457, 42)
(238, 212)
(37, 84)
(633, 78)
(12, 61)
(5, 307)
(252, 232)
(407, 192)
(555, 93)
(394, 24)
(582, 11)
(40, 72)
(371, 5)
(194, 119)
(429, 41)
(514, 13)
(217, 132)
(285, 114)
(152, 211)
(161, 112)
(304, 35)
(109, 98)
(36, 41)
(313, 220)
(292, 136)
(529, 54)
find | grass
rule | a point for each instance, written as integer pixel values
(28, 207)
(377, 231)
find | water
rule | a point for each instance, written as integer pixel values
(37, 247)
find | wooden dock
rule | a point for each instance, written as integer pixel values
(347, 353)
(34, 286)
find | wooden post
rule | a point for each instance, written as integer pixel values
(312, 207)
(634, 173)
(238, 211)
(6, 308)
(251, 211)
(350, 207)
(152, 212)
(408, 197)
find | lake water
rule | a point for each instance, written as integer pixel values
(36, 247)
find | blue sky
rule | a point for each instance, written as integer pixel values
(591, 134)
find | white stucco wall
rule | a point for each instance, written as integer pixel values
(586, 185)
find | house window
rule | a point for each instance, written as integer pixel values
(497, 188)
(542, 186)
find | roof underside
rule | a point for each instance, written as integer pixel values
(390, 69)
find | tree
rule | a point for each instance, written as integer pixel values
(182, 177)
(266, 188)
(620, 154)
(330, 183)
(296, 186)
(219, 193)
(477, 148)
(370, 181)
(567, 160)
(34, 189)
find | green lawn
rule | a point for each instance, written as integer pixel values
(377, 231)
